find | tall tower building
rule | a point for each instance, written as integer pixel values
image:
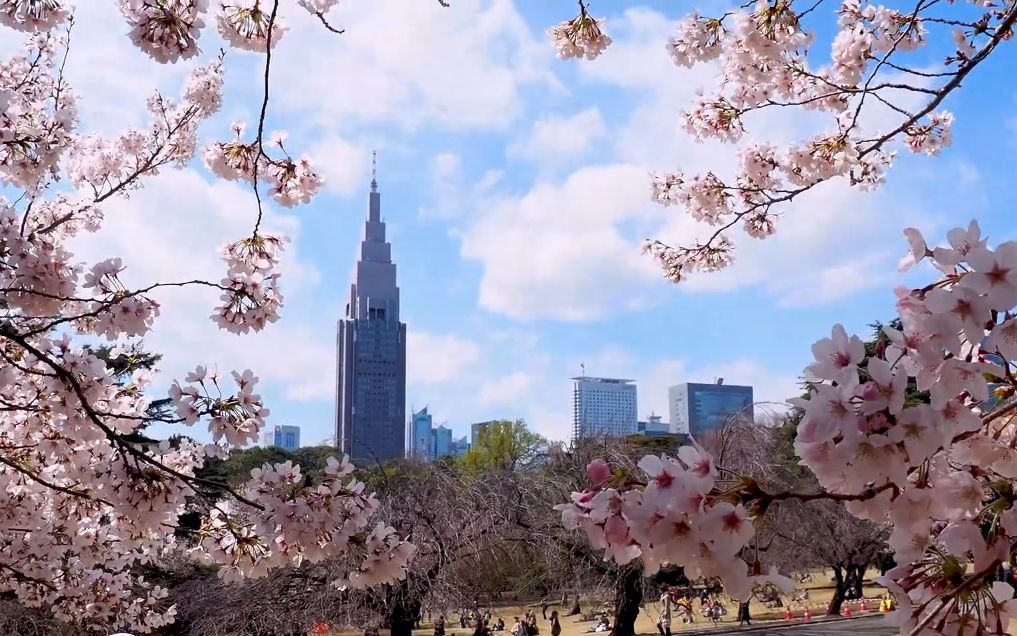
(371, 352)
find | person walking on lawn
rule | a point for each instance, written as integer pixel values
(555, 624)
(743, 614)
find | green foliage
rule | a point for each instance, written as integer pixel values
(503, 445)
(236, 468)
(656, 444)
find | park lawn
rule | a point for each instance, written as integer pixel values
(820, 592)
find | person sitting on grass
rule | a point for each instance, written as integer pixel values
(603, 626)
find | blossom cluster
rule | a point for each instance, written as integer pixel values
(251, 297)
(237, 418)
(246, 25)
(291, 181)
(290, 521)
(918, 433)
(677, 518)
(580, 37)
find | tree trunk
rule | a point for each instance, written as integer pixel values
(833, 609)
(859, 581)
(628, 596)
(404, 609)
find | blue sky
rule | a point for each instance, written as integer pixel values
(516, 191)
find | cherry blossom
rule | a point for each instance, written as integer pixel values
(32, 15)
(582, 36)
(167, 30)
(246, 25)
(85, 504)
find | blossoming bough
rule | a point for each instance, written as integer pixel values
(81, 505)
(881, 59)
(940, 472)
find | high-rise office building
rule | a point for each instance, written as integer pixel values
(461, 446)
(603, 407)
(441, 441)
(477, 428)
(699, 408)
(419, 442)
(371, 352)
(284, 437)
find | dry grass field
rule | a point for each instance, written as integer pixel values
(819, 589)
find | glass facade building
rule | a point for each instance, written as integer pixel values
(419, 444)
(284, 437)
(699, 408)
(441, 442)
(371, 353)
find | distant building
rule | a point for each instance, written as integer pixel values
(476, 428)
(441, 442)
(699, 408)
(461, 446)
(603, 407)
(284, 437)
(653, 426)
(419, 442)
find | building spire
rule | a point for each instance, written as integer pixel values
(374, 171)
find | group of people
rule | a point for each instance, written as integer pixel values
(485, 624)
(674, 601)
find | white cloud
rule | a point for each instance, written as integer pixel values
(438, 359)
(343, 163)
(506, 390)
(460, 68)
(556, 138)
(452, 195)
(559, 251)
(171, 231)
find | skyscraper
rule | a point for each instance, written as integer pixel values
(699, 408)
(603, 407)
(420, 440)
(441, 437)
(371, 352)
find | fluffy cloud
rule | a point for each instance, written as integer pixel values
(555, 138)
(171, 230)
(561, 251)
(438, 359)
(506, 390)
(413, 63)
(452, 195)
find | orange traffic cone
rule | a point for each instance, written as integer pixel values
(807, 616)
(861, 606)
(846, 611)
(788, 614)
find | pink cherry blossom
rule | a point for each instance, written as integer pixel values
(582, 36)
